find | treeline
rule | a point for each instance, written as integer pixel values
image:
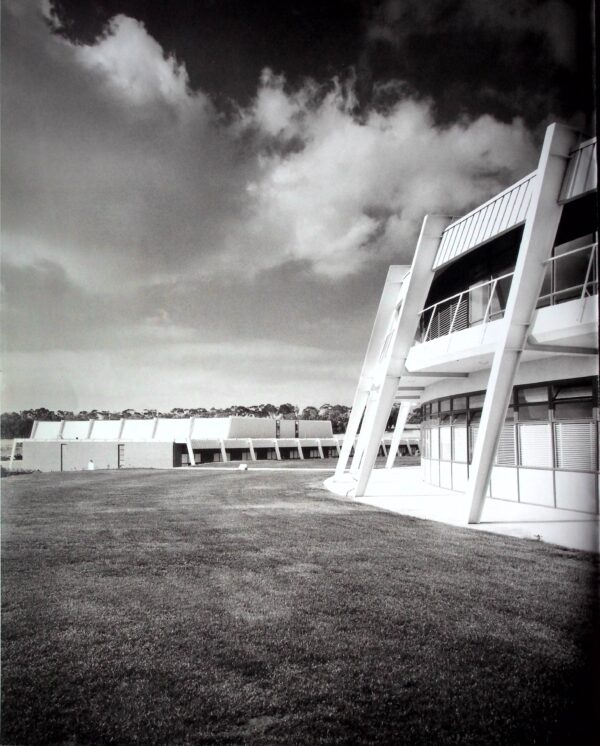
(19, 424)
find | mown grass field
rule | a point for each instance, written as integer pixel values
(224, 607)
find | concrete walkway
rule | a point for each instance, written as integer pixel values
(401, 490)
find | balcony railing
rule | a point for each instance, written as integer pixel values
(476, 305)
(571, 275)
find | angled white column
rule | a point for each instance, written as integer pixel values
(387, 304)
(392, 363)
(223, 451)
(190, 451)
(299, 447)
(537, 241)
(277, 451)
(403, 413)
(251, 449)
(13, 452)
(320, 448)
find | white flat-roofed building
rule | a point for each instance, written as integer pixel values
(167, 442)
(493, 332)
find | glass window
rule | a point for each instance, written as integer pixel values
(535, 445)
(460, 418)
(435, 407)
(445, 443)
(532, 395)
(445, 405)
(435, 443)
(572, 391)
(475, 416)
(573, 410)
(531, 412)
(476, 400)
(459, 402)
(445, 419)
(510, 415)
(459, 436)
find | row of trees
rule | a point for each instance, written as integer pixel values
(19, 424)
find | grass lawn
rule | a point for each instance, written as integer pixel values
(225, 607)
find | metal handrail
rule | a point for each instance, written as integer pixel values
(486, 317)
(468, 290)
(586, 284)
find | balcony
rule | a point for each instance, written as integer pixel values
(477, 305)
(460, 333)
(572, 273)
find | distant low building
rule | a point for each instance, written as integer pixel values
(163, 443)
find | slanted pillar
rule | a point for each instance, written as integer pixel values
(223, 451)
(320, 448)
(403, 413)
(13, 452)
(300, 454)
(392, 360)
(539, 233)
(190, 451)
(251, 449)
(277, 451)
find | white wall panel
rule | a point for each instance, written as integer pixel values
(459, 477)
(576, 491)
(505, 483)
(446, 474)
(536, 486)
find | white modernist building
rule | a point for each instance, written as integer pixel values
(493, 331)
(162, 442)
(69, 445)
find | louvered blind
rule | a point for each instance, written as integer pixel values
(505, 455)
(473, 430)
(575, 444)
(535, 445)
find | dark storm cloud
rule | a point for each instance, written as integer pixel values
(526, 58)
(531, 57)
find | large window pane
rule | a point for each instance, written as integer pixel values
(505, 455)
(533, 412)
(535, 445)
(459, 435)
(532, 395)
(445, 443)
(575, 444)
(573, 410)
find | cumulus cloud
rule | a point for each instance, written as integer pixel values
(361, 186)
(136, 218)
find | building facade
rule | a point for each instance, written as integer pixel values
(70, 445)
(493, 331)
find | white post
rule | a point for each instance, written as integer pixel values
(13, 452)
(190, 451)
(300, 454)
(415, 295)
(538, 238)
(251, 449)
(403, 413)
(320, 448)
(223, 451)
(277, 451)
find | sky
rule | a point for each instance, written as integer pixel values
(200, 201)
